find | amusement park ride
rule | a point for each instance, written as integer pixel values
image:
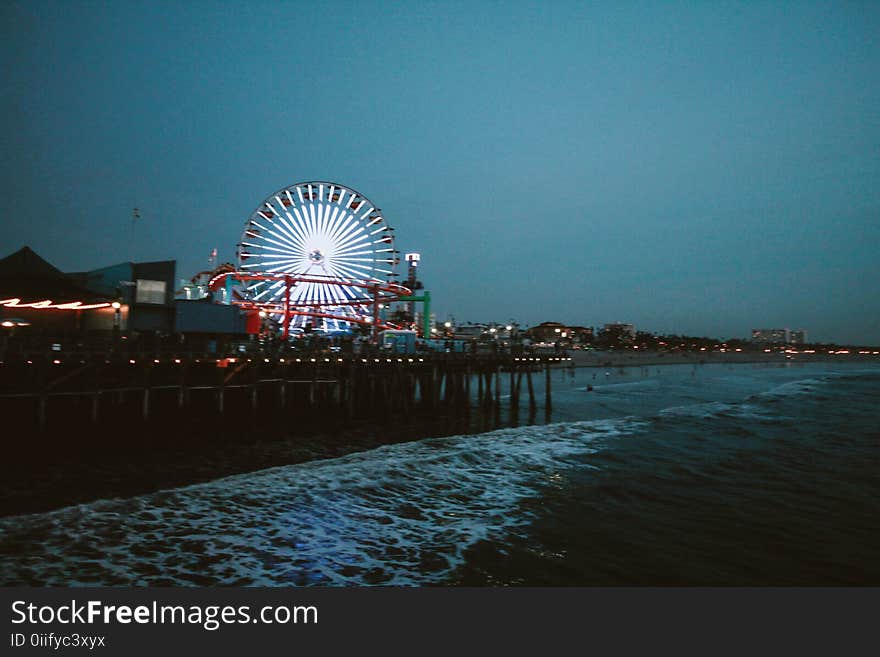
(315, 256)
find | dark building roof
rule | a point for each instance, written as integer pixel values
(27, 276)
(26, 263)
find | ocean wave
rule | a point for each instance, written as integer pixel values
(792, 389)
(716, 410)
(401, 514)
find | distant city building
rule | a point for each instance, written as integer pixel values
(471, 331)
(620, 329)
(779, 336)
(546, 332)
(555, 331)
(798, 336)
(582, 334)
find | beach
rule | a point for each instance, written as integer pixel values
(644, 358)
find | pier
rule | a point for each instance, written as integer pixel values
(111, 395)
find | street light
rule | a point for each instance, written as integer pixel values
(116, 315)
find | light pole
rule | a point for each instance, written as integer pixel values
(135, 215)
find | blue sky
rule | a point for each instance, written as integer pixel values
(703, 168)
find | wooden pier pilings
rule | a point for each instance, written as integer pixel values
(117, 394)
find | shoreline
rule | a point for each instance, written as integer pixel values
(645, 358)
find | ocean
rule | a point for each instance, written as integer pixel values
(747, 474)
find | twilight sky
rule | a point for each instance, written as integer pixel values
(702, 168)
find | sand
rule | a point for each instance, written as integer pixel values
(644, 358)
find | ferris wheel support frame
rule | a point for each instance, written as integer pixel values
(380, 292)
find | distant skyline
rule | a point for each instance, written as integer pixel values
(697, 168)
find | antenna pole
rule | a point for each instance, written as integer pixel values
(135, 215)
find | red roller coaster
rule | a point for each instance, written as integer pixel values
(366, 309)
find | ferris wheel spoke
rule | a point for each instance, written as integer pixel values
(329, 293)
(353, 226)
(353, 294)
(275, 211)
(297, 225)
(285, 250)
(279, 258)
(324, 217)
(341, 293)
(350, 236)
(333, 293)
(316, 207)
(313, 293)
(290, 232)
(350, 269)
(354, 271)
(278, 229)
(320, 295)
(336, 221)
(313, 221)
(269, 288)
(354, 249)
(283, 237)
(345, 220)
(296, 293)
(284, 262)
(355, 238)
(321, 220)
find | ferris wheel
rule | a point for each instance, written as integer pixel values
(322, 235)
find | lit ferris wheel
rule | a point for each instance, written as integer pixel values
(323, 235)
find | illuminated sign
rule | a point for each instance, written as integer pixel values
(73, 305)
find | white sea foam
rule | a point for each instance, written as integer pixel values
(401, 514)
(715, 410)
(793, 389)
